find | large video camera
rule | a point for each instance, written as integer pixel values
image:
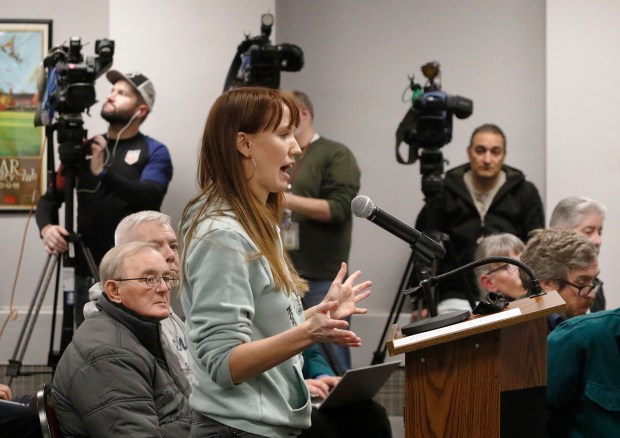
(258, 62)
(67, 84)
(427, 126)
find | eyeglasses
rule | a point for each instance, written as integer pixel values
(507, 267)
(584, 291)
(170, 280)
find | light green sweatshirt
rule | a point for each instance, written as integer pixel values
(229, 297)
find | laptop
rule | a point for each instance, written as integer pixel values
(357, 385)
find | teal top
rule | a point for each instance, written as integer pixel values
(328, 170)
(583, 383)
(229, 297)
(315, 364)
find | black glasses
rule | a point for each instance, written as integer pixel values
(584, 291)
(506, 266)
(170, 280)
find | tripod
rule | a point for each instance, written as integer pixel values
(77, 251)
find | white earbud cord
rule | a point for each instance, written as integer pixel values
(108, 155)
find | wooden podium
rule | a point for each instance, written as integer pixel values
(457, 376)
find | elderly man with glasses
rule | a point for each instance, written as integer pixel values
(116, 378)
(567, 262)
(154, 227)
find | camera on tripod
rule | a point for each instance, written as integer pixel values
(258, 62)
(427, 126)
(68, 88)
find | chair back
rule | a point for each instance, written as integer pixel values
(47, 417)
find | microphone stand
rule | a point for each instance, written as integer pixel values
(444, 320)
(423, 251)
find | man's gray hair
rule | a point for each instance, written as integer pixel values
(553, 253)
(124, 228)
(502, 244)
(113, 261)
(569, 212)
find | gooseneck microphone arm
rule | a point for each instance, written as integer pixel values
(534, 285)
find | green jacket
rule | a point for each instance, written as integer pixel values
(583, 383)
(328, 170)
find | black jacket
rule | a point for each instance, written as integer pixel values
(136, 178)
(516, 208)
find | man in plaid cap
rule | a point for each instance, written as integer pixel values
(125, 172)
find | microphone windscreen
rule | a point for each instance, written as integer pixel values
(362, 206)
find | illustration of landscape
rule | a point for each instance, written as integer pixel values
(20, 64)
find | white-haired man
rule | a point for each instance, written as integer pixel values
(152, 227)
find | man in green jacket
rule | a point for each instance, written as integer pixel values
(317, 229)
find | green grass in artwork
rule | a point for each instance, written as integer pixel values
(18, 135)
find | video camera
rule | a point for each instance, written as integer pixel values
(67, 84)
(258, 62)
(427, 126)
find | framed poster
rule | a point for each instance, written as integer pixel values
(23, 46)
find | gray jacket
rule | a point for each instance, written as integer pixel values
(117, 378)
(172, 328)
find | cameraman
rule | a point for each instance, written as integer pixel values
(121, 172)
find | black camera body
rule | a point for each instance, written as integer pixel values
(71, 78)
(433, 128)
(259, 63)
(68, 89)
(427, 127)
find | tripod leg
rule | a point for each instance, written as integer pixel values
(66, 332)
(92, 266)
(397, 306)
(52, 356)
(31, 319)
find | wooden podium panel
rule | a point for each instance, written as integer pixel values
(455, 375)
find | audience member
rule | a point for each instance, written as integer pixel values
(17, 418)
(361, 419)
(124, 172)
(153, 227)
(500, 277)
(115, 379)
(566, 262)
(583, 382)
(318, 220)
(241, 295)
(585, 216)
(479, 198)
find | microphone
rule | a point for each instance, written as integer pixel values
(362, 206)
(425, 247)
